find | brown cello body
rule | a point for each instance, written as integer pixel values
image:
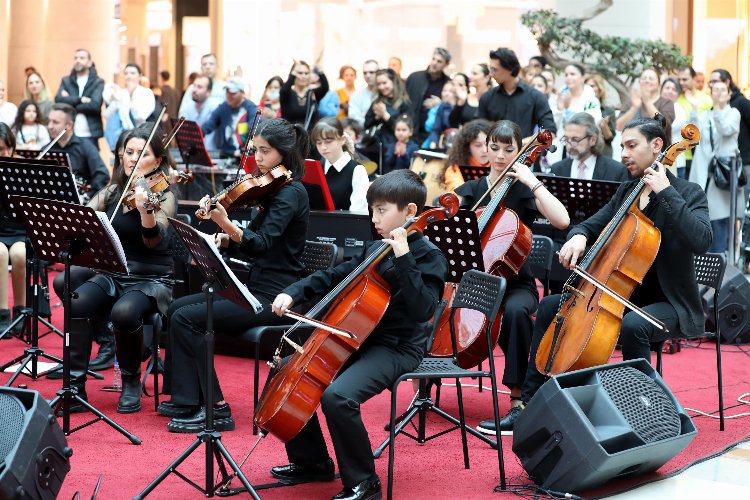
(592, 317)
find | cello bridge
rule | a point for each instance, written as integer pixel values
(575, 291)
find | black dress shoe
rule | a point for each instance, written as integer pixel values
(304, 473)
(54, 373)
(369, 489)
(170, 409)
(196, 422)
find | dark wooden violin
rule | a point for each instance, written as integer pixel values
(154, 183)
(356, 306)
(588, 322)
(506, 244)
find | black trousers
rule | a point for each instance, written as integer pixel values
(187, 341)
(369, 372)
(519, 305)
(636, 336)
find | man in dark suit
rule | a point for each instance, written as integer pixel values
(668, 292)
(584, 145)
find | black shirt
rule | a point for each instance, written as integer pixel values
(416, 280)
(521, 200)
(295, 109)
(527, 107)
(85, 162)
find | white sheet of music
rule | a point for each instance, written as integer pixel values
(113, 236)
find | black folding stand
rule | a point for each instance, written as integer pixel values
(71, 234)
(218, 277)
(470, 173)
(46, 180)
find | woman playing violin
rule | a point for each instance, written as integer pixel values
(679, 209)
(272, 245)
(527, 197)
(415, 270)
(128, 299)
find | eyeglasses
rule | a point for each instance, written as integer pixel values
(573, 142)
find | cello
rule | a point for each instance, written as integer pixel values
(356, 306)
(506, 244)
(588, 321)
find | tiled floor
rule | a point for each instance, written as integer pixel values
(725, 476)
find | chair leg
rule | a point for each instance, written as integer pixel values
(392, 440)
(658, 358)
(720, 377)
(496, 409)
(256, 383)
(462, 419)
(155, 361)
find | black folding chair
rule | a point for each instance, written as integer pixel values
(540, 259)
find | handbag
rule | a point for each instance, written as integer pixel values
(719, 168)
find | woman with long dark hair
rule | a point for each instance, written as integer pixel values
(391, 101)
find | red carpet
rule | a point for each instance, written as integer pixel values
(433, 470)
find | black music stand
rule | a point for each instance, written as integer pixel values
(470, 172)
(459, 240)
(46, 180)
(581, 197)
(192, 148)
(70, 234)
(218, 277)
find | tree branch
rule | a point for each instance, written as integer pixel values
(594, 11)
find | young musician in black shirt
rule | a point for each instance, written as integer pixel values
(273, 245)
(416, 271)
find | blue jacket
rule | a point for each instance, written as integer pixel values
(221, 122)
(395, 162)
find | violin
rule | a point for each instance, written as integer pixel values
(589, 318)
(249, 189)
(154, 183)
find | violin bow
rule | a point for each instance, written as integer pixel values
(137, 164)
(51, 144)
(174, 131)
(249, 149)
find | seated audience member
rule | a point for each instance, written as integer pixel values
(398, 155)
(29, 129)
(347, 179)
(584, 144)
(469, 149)
(231, 119)
(12, 249)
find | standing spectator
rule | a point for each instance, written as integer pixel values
(83, 90)
(362, 99)
(200, 107)
(390, 102)
(348, 75)
(28, 127)
(169, 96)
(8, 110)
(607, 125)
(741, 104)
(329, 105)
(720, 128)
(700, 81)
(209, 67)
(645, 102)
(671, 89)
(398, 155)
(692, 102)
(130, 106)
(299, 101)
(395, 64)
(441, 113)
(232, 119)
(467, 96)
(576, 96)
(424, 88)
(512, 99)
(270, 99)
(36, 90)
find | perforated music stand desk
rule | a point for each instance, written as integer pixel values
(470, 173)
(46, 180)
(218, 276)
(581, 197)
(71, 235)
(192, 148)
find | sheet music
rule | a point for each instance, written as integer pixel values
(102, 216)
(249, 297)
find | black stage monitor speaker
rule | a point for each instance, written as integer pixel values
(34, 454)
(734, 307)
(583, 428)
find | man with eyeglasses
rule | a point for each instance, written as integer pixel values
(424, 89)
(513, 99)
(361, 100)
(584, 146)
(645, 102)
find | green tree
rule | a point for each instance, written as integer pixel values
(619, 60)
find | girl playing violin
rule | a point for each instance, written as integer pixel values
(527, 198)
(273, 245)
(127, 299)
(416, 272)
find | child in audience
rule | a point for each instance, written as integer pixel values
(29, 128)
(398, 155)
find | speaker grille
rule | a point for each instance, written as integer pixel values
(12, 413)
(645, 406)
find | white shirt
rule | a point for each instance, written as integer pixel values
(133, 109)
(588, 172)
(81, 125)
(8, 112)
(190, 111)
(360, 182)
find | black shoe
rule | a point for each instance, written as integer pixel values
(304, 473)
(17, 311)
(54, 373)
(130, 397)
(5, 321)
(369, 489)
(105, 358)
(506, 423)
(170, 409)
(75, 405)
(196, 422)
